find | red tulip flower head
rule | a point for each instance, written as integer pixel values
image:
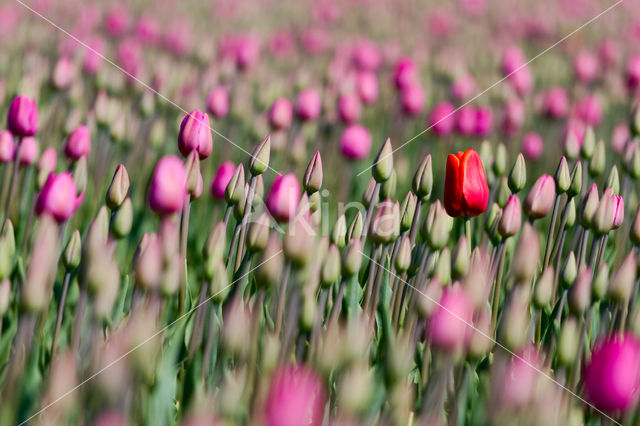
(195, 135)
(466, 192)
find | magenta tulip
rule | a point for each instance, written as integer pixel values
(355, 142)
(168, 188)
(442, 119)
(295, 397)
(218, 102)
(284, 196)
(195, 135)
(7, 146)
(281, 114)
(28, 151)
(221, 179)
(349, 108)
(447, 328)
(308, 105)
(22, 117)
(58, 197)
(78, 143)
(532, 146)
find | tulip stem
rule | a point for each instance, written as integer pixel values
(198, 322)
(372, 203)
(245, 220)
(335, 309)
(498, 285)
(61, 304)
(227, 213)
(77, 325)
(12, 182)
(552, 226)
(282, 296)
(467, 231)
(415, 223)
(184, 232)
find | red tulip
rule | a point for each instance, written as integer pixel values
(466, 192)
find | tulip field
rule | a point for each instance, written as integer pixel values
(320, 212)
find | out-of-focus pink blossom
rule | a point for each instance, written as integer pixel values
(178, 38)
(620, 137)
(521, 80)
(22, 117)
(355, 142)
(519, 381)
(412, 99)
(284, 196)
(441, 22)
(129, 54)
(466, 120)
(315, 40)
(512, 59)
(463, 87)
(168, 188)
(586, 66)
(484, 121)
(295, 397)
(308, 105)
(94, 55)
(78, 143)
(349, 108)
(58, 197)
(147, 30)
(28, 151)
(609, 53)
(281, 43)
(281, 114)
(447, 328)
(221, 179)
(218, 102)
(513, 117)
(62, 73)
(589, 110)
(442, 118)
(473, 8)
(532, 146)
(117, 21)
(7, 146)
(367, 86)
(195, 135)
(555, 103)
(633, 73)
(367, 56)
(48, 160)
(405, 72)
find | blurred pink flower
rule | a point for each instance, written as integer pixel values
(117, 21)
(178, 38)
(589, 110)
(284, 196)
(308, 105)
(78, 143)
(466, 120)
(484, 121)
(195, 135)
(129, 56)
(218, 102)
(28, 151)
(281, 114)
(355, 142)
(447, 327)
(315, 40)
(349, 108)
(586, 66)
(367, 86)
(442, 118)
(221, 179)
(620, 137)
(519, 381)
(58, 197)
(168, 187)
(405, 72)
(512, 117)
(555, 103)
(463, 87)
(633, 73)
(22, 117)
(93, 55)
(147, 30)
(7, 146)
(282, 43)
(412, 99)
(367, 55)
(62, 73)
(532, 146)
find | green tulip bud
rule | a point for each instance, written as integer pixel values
(368, 193)
(576, 180)
(500, 160)
(503, 192)
(634, 232)
(568, 343)
(579, 296)
(570, 213)
(388, 187)
(118, 189)
(73, 251)
(355, 228)
(258, 234)
(408, 211)
(439, 228)
(422, 183)
(544, 288)
(122, 220)
(563, 177)
(80, 174)
(589, 206)
(526, 256)
(403, 257)
(269, 269)
(312, 180)
(339, 233)
(600, 282)
(331, 266)
(588, 144)
(235, 189)
(634, 124)
(623, 280)
(571, 146)
(518, 175)
(383, 164)
(569, 271)
(461, 258)
(598, 161)
(613, 181)
(352, 259)
(632, 164)
(443, 266)
(259, 162)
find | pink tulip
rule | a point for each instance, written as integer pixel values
(608, 52)
(28, 151)
(349, 108)
(355, 142)
(612, 377)
(513, 117)
(521, 80)
(7, 146)
(367, 56)
(247, 51)
(367, 86)
(405, 72)
(519, 381)
(281, 114)
(147, 30)
(589, 110)
(555, 103)
(540, 197)
(442, 118)
(94, 55)
(168, 188)
(284, 197)
(58, 197)
(62, 73)
(22, 117)
(221, 179)
(78, 143)
(633, 73)
(195, 135)
(466, 120)
(129, 55)
(308, 105)
(218, 102)
(484, 121)
(532, 146)
(117, 21)
(620, 137)
(512, 59)
(447, 328)
(412, 99)
(586, 66)
(463, 87)
(48, 160)
(295, 397)
(178, 38)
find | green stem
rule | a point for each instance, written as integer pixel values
(552, 226)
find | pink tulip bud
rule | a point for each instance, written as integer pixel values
(28, 151)
(22, 117)
(608, 52)
(412, 99)
(511, 218)
(195, 135)
(521, 80)
(589, 110)
(518, 384)
(168, 187)
(7, 146)
(281, 114)
(355, 142)
(117, 21)
(247, 51)
(620, 137)
(540, 198)
(308, 105)
(367, 86)
(405, 72)
(447, 327)
(618, 204)
(466, 120)
(349, 108)
(532, 146)
(58, 197)
(94, 55)
(221, 179)
(129, 54)
(62, 73)
(612, 377)
(367, 56)
(512, 59)
(586, 66)
(48, 160)
(282, 42)
(295, 397)
(178, 38)
(218, 102)
(463, 87)
(147, 30)
(79, 143)
(442, 119)
(555, 103)
(284, 197)
(633, 73)
(513, 117)
(484, 121)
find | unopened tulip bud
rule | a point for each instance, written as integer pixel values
(312, 180)
(579, 296)
(571, 146)
(118, 130)
(544, 288)
(78, 143)
(7, 146)
(569, 271)
(122, 219)
(383, 164)
(300, 239)
(568, 342)
(192, 168)
(171, 275)
(28, 151)
(260, 157)
(284, 197)
(258, 234)
(195, 135)
(598, 161)
(511, 218)
(119, 188)
(403, 257)
(36, 289)
(388, 187)
(515, 321)
(46, 165)
(493, 217)
(428, 304)
(634, 232)
(503, 193)
(73, 252)
(443, 266)
(480, 343)
(518, 175)
(600, 282)
(235, 189)
(331, 266)
(500, 160)
(563, 177)
(22, 117)
(238, 209)
(610, 208)
(352, 259)
(623, 280)
(448, 326)
(356, 227)
(105, 297)
(570, 213)
(368, 193)
(540, 199)
(168, 188)
(407, 211)
(269, 268)
(439, 228)
(339, 232)
(383, 222)
(632, 164)
(589, 205)
(422, 183)
(58, 197)
(588, 143)
(576, 180)
(461, 258)
(5, 296)
(218, 282)
(527, 254)
(80, 174)
(7, 251)
(613, 181)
